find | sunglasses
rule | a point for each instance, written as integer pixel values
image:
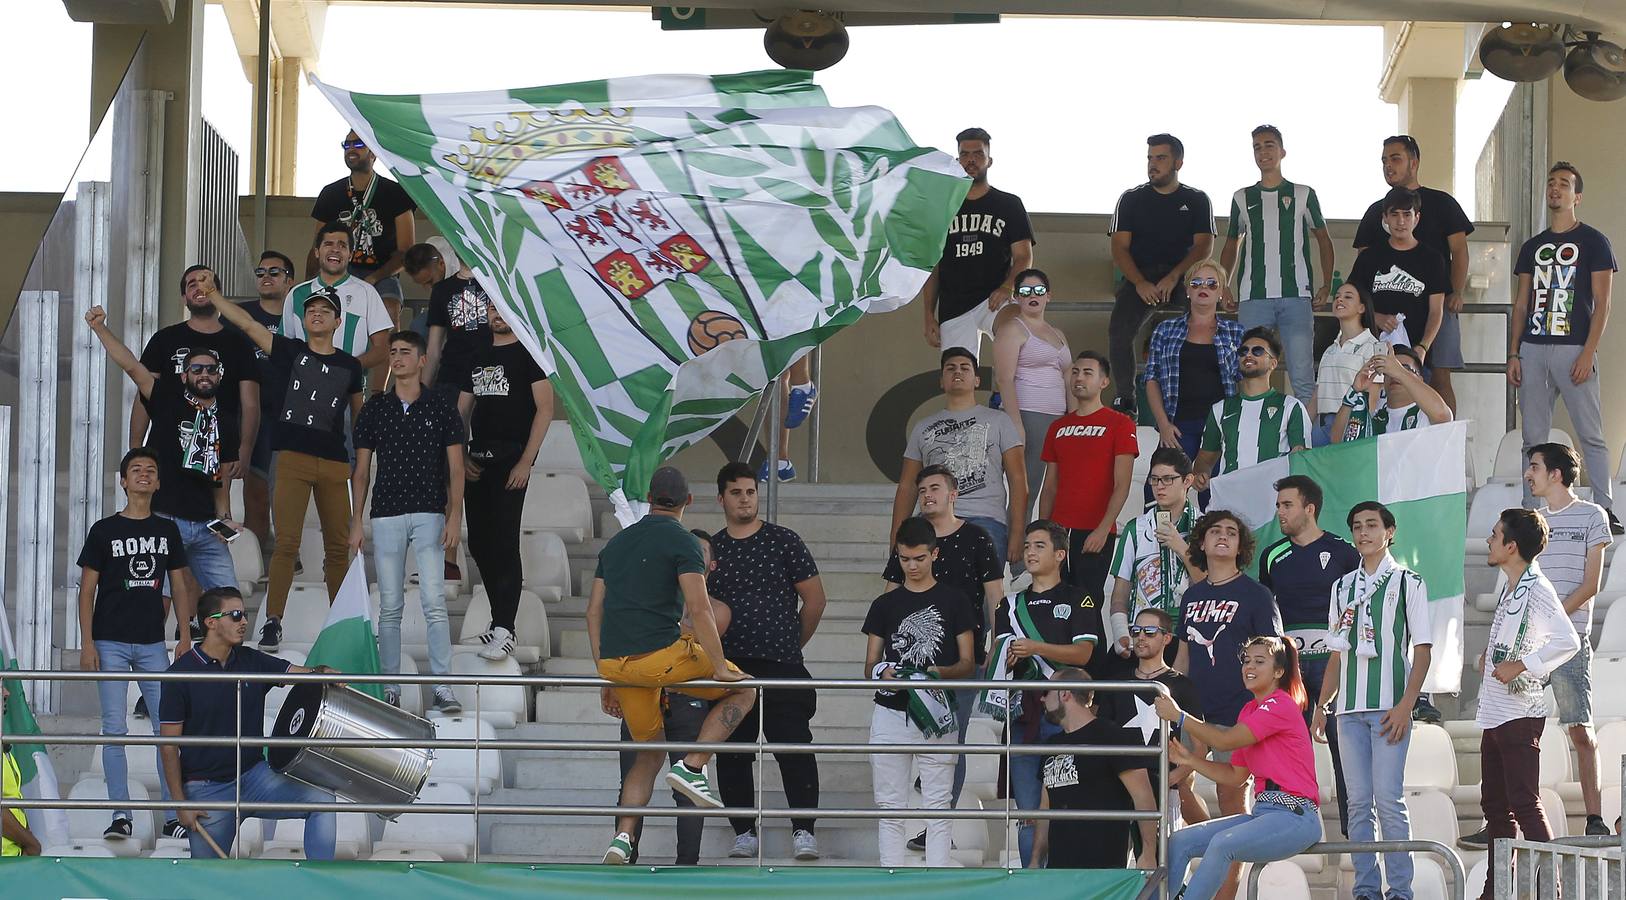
(1203, 283)
(263, 271)
(236, 615)
(1146, 630)
(1256, 350)
(1163, 480)
(353, 145)
(204, 368)
(1032, 290)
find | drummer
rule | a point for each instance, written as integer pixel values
(216, 774)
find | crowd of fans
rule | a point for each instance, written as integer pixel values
(1006, 557)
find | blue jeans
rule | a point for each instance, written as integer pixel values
(964, 703)
(392, 536)
(262, 784)
(117, 657)
(1294, 320)
(1374, 772)
(1269, 833)
(998, 529)
(1027, 778)
(206, 555)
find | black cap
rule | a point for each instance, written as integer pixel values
(668, 488)
(328, 296)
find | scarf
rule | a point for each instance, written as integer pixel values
(1365, 423)
(929, 708)
(1355, 624)
(997, 703)
(1510, 637)
(200, 439)
(1172, 569)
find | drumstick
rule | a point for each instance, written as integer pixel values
(211, 842)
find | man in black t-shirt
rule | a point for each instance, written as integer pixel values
(1159, 230)
(766, 577)
(1565, 276)
(308, 437)
(195, 439)
(1052, 625)
(273, 278)
(122, 567)
(379, 214)
(1407, 280)
(1077, 781)
(1443, 228)
(1150, 635)
(989, 240)
(508, 402)
(917, 633)
(459, 325)
(239, 377)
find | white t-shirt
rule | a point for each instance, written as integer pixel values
(363, 316)
(1572, 531)
(1547, 642)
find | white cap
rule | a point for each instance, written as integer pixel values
(442, 246)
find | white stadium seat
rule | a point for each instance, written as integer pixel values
(458, 766)
(1555, 755)
(354, 838)
(1280, 880)
(448, 835)
(532, 641)
(246, 560)
(1428, 878)
(79, 849)
(1433, 816)
(559, 451)
(1611, 747)
(1509, 465)
(503, 705)
(302, 618)
(405, 854)
(85, 826)
(545, 565)
(1611, 638)
(1553, 805)
(557, 502)
(1476, 878)
(451, 588)
(1486, 508)
(1431, 761)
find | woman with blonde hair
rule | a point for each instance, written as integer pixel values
(1193, 362)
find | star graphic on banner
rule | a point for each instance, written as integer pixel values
(1145, 719)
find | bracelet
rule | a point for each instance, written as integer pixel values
(1182, 719)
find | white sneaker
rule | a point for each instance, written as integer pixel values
(806, 846)
(479, 639)
(500, 645)
(745, 846)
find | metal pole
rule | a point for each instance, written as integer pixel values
(37, 443)
(762, 771)
(237, 783)
(1009, 721)
(815, 371)
(476, 772)
(262, 136)
(775, 419)
(1163, 805)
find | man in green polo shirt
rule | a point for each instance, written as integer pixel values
(650, 626)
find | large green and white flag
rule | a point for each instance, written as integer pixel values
(34, 767)
(1420, 475)
(346, 641)
(667, 245)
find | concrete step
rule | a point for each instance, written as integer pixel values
(841, 841)
(817, 668)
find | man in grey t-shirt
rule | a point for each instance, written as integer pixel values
(981, 447)
(1578, 534)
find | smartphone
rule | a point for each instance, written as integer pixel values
(224, 531)
(1163, 518)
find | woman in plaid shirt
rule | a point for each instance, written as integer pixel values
(1192, 363)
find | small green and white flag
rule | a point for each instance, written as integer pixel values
(665, 246)
(1420, 475)
(347, 641)
(34, 767)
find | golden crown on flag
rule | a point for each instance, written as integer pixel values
(536, 134)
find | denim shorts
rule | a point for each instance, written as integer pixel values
(1572, 687)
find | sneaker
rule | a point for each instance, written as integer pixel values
(918, 843)
(745, 846)
(694, 785)
(445, 701)
(802, 397)
(787, 472)
(1594, 825)
(805, 845)
(1614, 524)
(119, 830)
(453, 572)
(271, 634)
(501, 644)
(480, 639)
(995, 400)
(1479, 840)
(1124, 405)
(140, 711)
(620, 852)
(393, 698)
(299, 567)
(1426, 712)
(174, 829)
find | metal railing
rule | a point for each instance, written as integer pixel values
(761, 747)
(1578, 868)
(1459, 876)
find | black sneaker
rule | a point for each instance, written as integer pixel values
(1426, 712)
(1595, 825)
(121, 829)
(271, 634)
(1479, 840)
(918, 843)
(140, 711)
(1124, 405)
(174, 829)
(1614, 524)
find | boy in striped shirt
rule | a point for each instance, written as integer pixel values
(1258, 423)
(1378, 610)
(1389, 395)
(1277, 220)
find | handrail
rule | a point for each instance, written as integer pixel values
(1459, 875)
(1561, 859)
(241, 808)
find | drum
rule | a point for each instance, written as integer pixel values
(357, 774)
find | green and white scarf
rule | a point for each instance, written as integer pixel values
(993, 701)
(1510, 636)
(929, 708)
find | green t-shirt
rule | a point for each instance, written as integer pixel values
(642, 601)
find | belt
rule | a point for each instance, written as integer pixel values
(1299, 805)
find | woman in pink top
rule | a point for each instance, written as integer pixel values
(1269, 743)
(1031, 361)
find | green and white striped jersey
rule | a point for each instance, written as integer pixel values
(1246, 431)
(1274, 225)
(363, 316)
(1387, 613)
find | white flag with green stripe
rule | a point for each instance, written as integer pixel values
(667, 245)
(1420, 475)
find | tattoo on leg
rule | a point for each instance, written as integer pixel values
(732, 716)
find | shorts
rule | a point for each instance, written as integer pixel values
(1572, 687)
(639, 680)
(967, 329)
(1446, 351)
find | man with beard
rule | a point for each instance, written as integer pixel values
(1256, 424)
(364, 324)
(378, 213)
(195, 438)
(238, 379)
(272, 279)
(1151, 636)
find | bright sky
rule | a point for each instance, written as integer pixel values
(1068, 101)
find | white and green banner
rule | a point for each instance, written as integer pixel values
(346, 641)
(1421, 476)
(34, 769)
(667, 245)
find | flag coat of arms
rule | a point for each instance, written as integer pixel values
(665, 246)
(1420, 474)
